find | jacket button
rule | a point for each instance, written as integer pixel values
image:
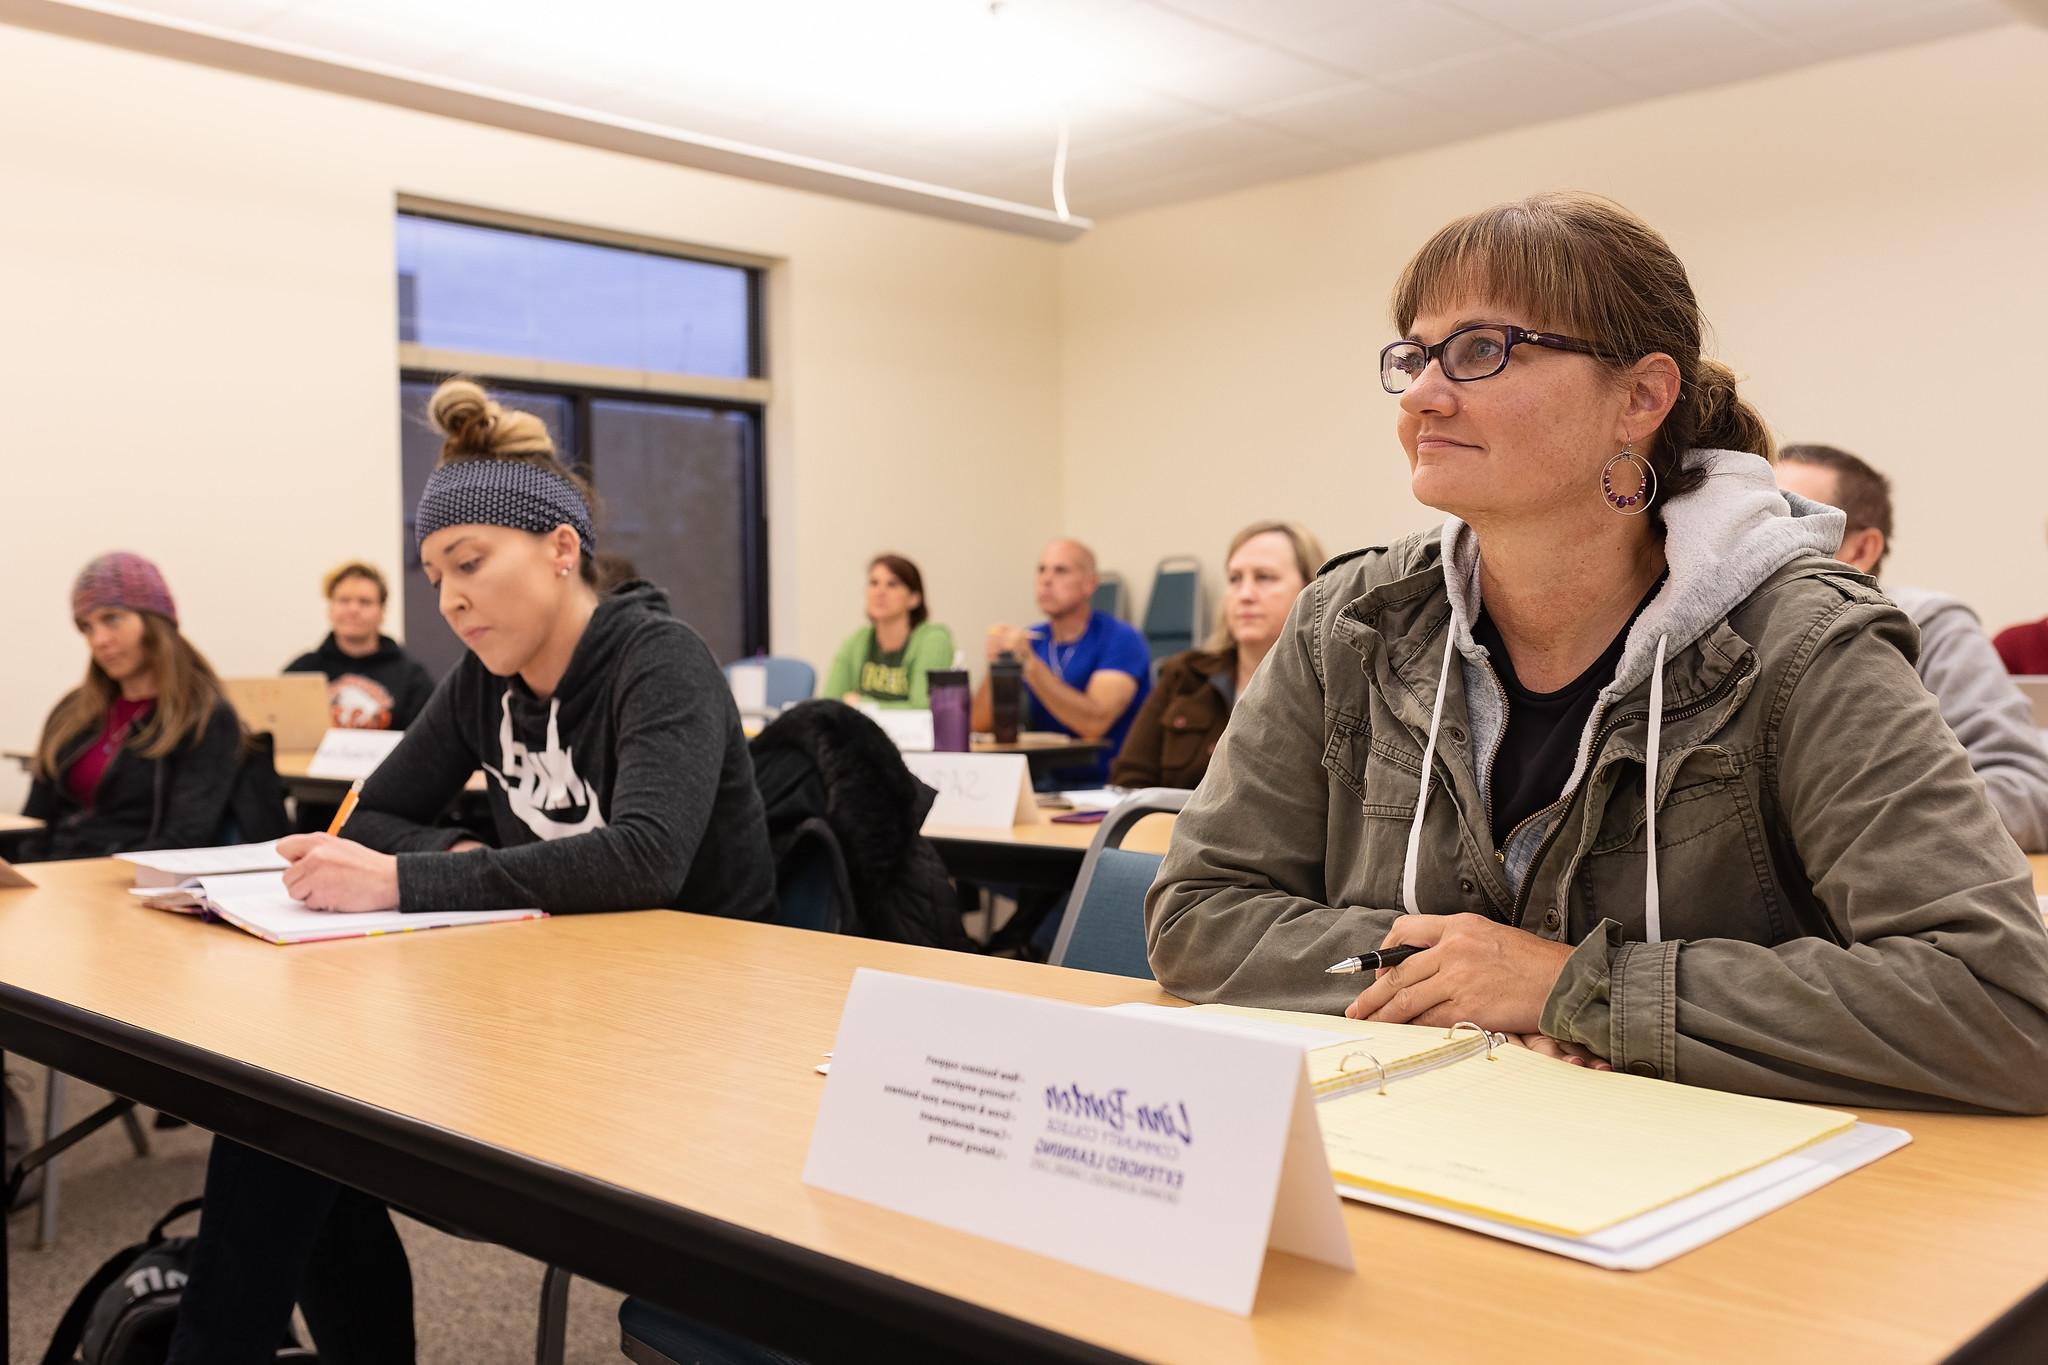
(1550, 919)
(1642, 1068)
(1465, 885)
(1457, 735)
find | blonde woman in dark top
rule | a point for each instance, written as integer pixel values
(1179, 726)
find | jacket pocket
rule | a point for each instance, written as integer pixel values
(1713, 871)
(1393, 781)
(1344, 752)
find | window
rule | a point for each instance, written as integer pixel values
(653, 417)
(502, 291)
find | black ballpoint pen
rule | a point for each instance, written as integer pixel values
(1373, 961)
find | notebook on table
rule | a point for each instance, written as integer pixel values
(257, 903)
(171, 867)
(168, 878)
(1620, 1171)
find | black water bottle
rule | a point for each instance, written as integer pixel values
(1006, 695)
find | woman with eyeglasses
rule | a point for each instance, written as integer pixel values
(1646, 775)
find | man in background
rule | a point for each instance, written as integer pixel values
(1085, 674)
(1957, 663)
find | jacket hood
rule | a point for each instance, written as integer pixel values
(621, 613)
(1721, 541)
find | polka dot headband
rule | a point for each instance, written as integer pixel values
(510, 493)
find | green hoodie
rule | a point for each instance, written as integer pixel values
(930, 646)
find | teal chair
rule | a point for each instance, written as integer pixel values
(1104, 928)
(1173, 613)
(1110, 596)
(789, 680)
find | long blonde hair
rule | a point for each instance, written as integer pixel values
(1586, 266)
(188, 692)
(1308, 557)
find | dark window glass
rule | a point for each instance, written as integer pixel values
(679, 494)
(463, 287)
(679, 489)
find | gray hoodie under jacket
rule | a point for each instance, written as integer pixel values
(1981, 703)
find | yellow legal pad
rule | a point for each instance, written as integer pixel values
(1523, 1139)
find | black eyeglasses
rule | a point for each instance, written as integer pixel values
(1476, 352)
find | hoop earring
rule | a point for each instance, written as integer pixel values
(1629, 504)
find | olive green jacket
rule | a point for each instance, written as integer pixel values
(1844, 917)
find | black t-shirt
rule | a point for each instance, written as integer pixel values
(1536, 755)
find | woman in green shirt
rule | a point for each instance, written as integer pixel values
(889, 660)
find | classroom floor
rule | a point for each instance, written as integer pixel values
(474, 1303)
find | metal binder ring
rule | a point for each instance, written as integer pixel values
(1344, 1066)
(1493, 1040)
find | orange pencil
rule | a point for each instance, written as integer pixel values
(348, 806)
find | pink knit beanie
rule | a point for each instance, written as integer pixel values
(122, 579)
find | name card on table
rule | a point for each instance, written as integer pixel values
(910, 731)
(1167, 1156)
(347, 755)
(9, 877)
(984, 791)
(749, 683)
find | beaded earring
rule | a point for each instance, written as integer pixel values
(1629, 504)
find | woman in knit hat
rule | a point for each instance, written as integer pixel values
(145, 752)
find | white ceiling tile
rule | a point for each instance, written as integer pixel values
(1252, 74)
(1898, 27)
(1510, 87)
(1367, 118)
(1164, 98)
(1675, 46)
(1540, 18)
(1822, 20)
(1399, 35)
(1267, 19)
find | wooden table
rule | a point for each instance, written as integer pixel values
(1044, 750)
(631, 1096)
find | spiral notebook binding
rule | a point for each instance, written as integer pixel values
(1350, 1078)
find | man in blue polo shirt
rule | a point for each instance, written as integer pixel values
(1085, 674)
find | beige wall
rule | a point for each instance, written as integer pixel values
(1868, 238)
(200, 355)
(199, 341)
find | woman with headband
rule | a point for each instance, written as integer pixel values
(618, 780)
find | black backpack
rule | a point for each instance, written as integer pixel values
(124, 1314)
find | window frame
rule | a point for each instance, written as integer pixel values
(754, 388)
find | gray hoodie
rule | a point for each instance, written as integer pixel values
(1989, 714)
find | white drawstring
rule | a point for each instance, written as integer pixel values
(1653, 928)
(1436, 716)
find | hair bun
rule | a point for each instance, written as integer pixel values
(475, 427)
(1726, 421)
(463, 413)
